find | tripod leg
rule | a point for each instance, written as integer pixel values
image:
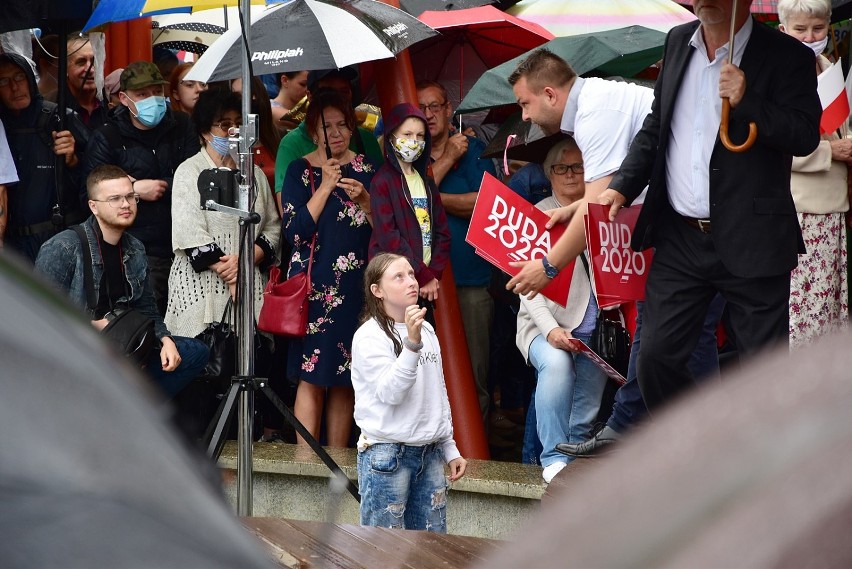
(214, 437)
(312, 442)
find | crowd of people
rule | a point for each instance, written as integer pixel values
(754, 239)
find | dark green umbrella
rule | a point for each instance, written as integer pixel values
(623, 52)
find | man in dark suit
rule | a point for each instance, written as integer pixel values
(719, 220)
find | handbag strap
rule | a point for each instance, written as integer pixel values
(314, 239)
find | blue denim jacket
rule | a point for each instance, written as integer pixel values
(61, 260)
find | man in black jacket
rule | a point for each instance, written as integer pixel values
(42, 203)
(148, 141)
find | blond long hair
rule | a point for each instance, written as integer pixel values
(373, 306)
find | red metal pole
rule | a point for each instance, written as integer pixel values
(128, 42)
(394, 85)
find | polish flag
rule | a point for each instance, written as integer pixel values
(832, 95)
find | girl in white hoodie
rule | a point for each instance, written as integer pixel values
(401, 405)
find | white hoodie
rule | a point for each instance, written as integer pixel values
(400, 399)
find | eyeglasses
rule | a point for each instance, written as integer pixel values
(17, 78)
(560, 169)
(226, 125)
(193, 84)
(118, 201)
(433, 108)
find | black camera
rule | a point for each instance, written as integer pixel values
(220, 185)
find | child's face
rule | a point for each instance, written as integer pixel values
(397, 289)
(412, 128)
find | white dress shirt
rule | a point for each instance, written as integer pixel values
(695, 125)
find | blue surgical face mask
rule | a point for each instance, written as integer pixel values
(220, 144)
(151, 110)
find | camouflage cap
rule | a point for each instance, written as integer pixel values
(140, 74)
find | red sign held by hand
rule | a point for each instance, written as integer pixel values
(620, 273)
(504, 227)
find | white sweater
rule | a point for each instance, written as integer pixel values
(400, 399)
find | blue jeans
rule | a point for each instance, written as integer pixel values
(567, 396)
(193, 354)
(403, 487)
(629, 407)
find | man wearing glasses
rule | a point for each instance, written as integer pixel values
(458, 170)
(41, 203)
(148, 141)
(119, 271)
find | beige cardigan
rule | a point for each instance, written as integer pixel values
(817, 182)
(541, 315)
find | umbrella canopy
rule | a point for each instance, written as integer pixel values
(112, 486)
(417, 7)
(26, 14)
(313, 34)
(196, 31)
(767, 10)
(471, 42)
(529, 143)
(572, 17)
(108, 11)
(623, 52)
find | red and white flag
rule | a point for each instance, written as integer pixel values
(832, 94)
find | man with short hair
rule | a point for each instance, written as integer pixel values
(720, 221)
(80, 90)
(119, 271)
(149, 142)
(40, 204)
(458, 171)
(298, 143)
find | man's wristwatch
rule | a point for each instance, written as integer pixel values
(549, 270)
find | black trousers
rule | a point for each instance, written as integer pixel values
(684, 277)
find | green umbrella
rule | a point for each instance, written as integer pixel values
(623, 52)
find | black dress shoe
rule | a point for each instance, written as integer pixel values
(602, 443)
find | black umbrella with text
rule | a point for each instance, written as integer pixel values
(313, 34)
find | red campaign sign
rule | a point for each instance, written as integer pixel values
(504, 227)
(620, 272)
(610, 371)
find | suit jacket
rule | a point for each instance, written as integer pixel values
(754, 226)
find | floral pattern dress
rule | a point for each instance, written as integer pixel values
(323, 356)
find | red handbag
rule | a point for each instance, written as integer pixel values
(285, 303)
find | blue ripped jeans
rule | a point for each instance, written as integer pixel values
(403, 487)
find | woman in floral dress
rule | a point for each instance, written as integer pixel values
(337, 212)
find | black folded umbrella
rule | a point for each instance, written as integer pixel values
(530, 144)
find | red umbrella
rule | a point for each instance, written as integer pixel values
(472, 41)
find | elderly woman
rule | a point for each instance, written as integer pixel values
(570, 386)
(324, 196)
(818, 286)
(206, 243)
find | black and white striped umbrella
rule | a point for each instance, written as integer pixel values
(312, 34)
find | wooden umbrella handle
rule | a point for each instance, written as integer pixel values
(723, 130)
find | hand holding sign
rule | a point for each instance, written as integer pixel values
(506, 229)
(614, 199)
(619, 272)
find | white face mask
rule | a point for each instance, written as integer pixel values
(408, 150)
(817, 46)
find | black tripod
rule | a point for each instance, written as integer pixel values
(220, 185)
